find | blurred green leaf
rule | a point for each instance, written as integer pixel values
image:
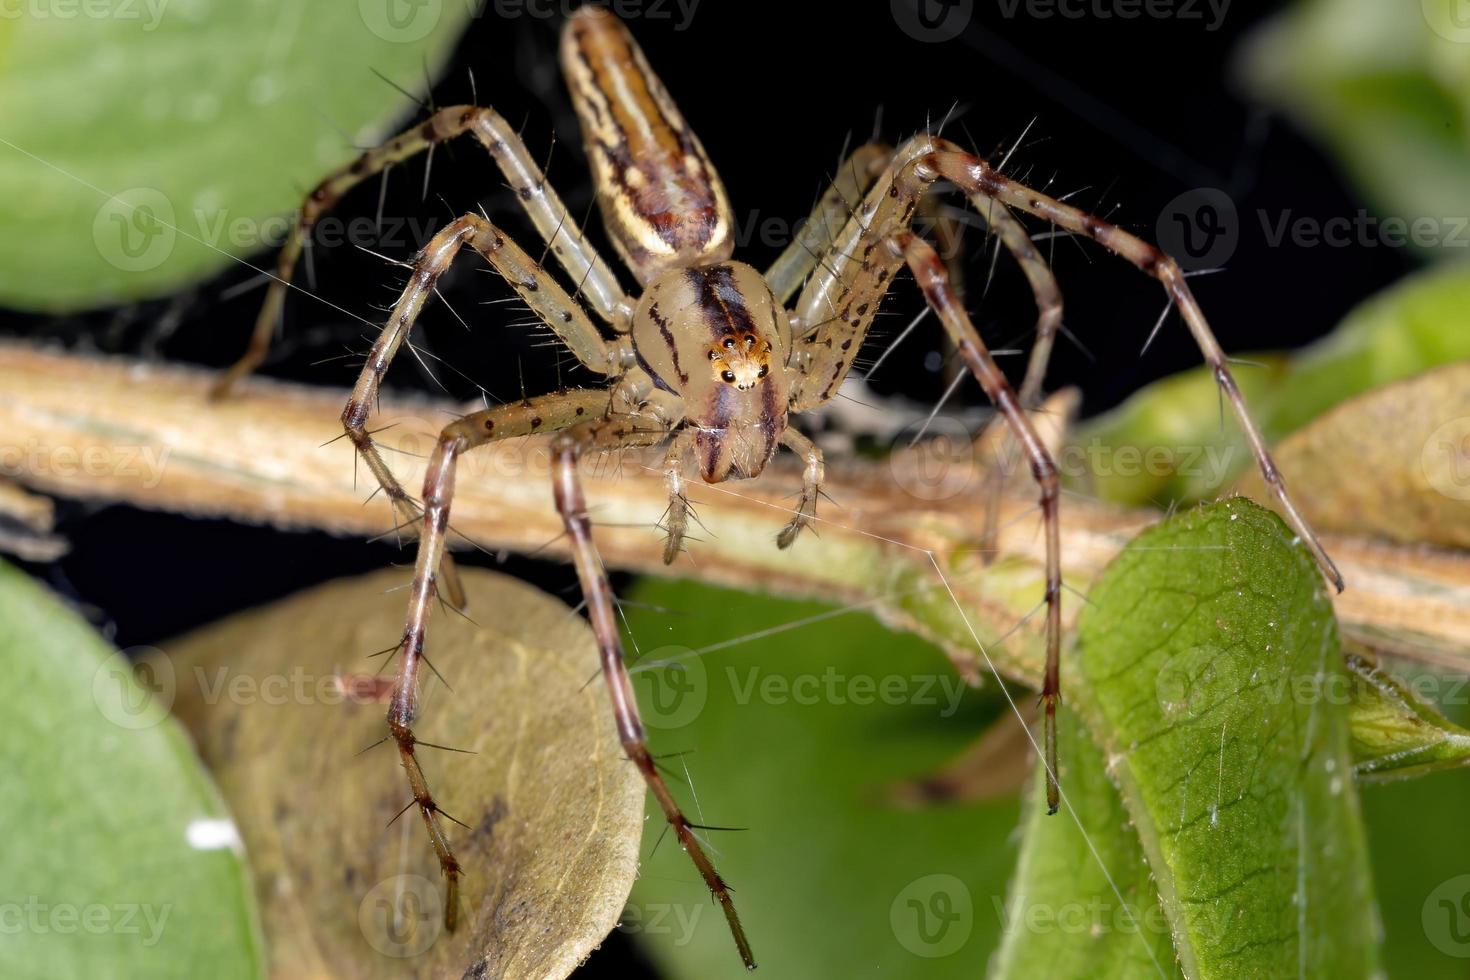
(120, 859)
(146, 143)
(1420, 855)
(1167, 443)
(1386, 85)
(1395, 732)
(800, 736)
(1083, 902)
(1205, 663)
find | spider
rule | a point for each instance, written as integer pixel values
(707, 355)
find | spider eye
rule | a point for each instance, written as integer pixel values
(763, 372)
(729, 344)
(749, 341)
(713, 354)
(729, 376)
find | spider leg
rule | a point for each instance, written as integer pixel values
(541, 293)
(562, 235)
(811, 485)
(932, 278)
(851, 182)
(611, 433)
(546, 413)
(1044, 290)
(977, 178)
(676, 520)
(1048, 298)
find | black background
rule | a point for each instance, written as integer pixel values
(1126, 113)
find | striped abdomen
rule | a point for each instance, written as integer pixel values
(662, 202)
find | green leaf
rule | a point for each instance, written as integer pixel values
(1387, 87)
(1420, 855)
(1083, 902)
(119, 860)
(1395, 732)
(1204, 661)
(1419, 323)
(798, 729)
(146, 143)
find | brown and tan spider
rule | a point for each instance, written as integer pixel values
(707, 355)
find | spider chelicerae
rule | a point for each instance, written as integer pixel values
(707, 355)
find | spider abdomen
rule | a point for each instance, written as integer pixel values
(661, 200)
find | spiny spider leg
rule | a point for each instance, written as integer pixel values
(676, 519)
(811, 485)
(543, 414)
(932, 278)
(1048, 298)
(595, 279)
(977, 178)
(841, 301)
(569, 322)
(831, 212)
(1044, 290)
(615, 433)
(540, 292)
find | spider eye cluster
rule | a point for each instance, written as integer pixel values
(741, 360)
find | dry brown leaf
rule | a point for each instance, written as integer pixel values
(1393, 463)
(554, 810)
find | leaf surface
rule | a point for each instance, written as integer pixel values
(120, 858)
(553, 809)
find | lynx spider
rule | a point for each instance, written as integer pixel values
(707, 356)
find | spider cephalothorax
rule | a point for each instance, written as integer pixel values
(715, 340)
(707, 358)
